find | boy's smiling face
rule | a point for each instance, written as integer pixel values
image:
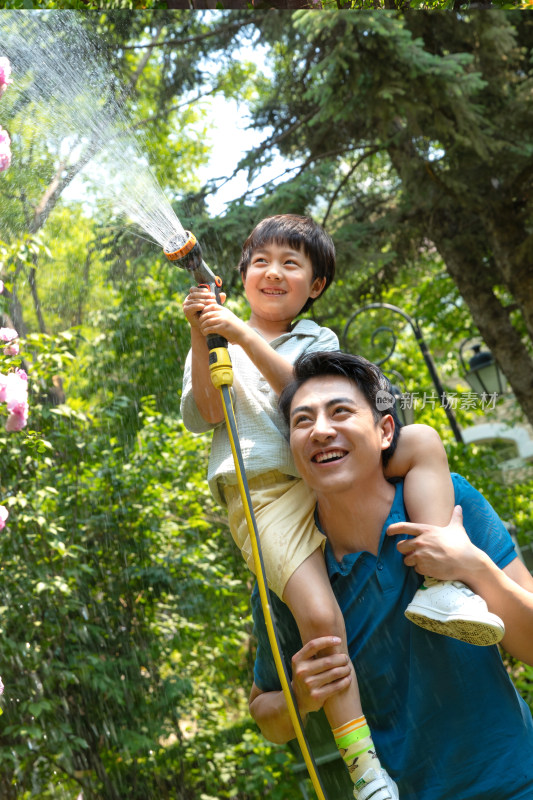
(278, 282)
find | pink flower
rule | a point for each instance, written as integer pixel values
(1, 686)
(14, 392)
(8, 335)
(16, 421)
(17, 388)
(4, 514)
(5, 150)
(5, 73)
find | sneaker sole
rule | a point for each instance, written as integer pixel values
(482, 634)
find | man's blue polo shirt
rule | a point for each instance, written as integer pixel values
(446, 719)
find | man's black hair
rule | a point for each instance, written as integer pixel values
(368, 378)
(300, 233)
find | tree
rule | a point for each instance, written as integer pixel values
(100, 102)
(414, 133)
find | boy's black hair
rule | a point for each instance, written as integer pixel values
(300, 233)
(368, 378)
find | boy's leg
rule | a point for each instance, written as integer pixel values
(309, 595)
(446, 607)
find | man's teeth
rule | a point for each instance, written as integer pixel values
(331, 456)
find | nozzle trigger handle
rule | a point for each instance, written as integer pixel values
(213, 339)
(214, 288)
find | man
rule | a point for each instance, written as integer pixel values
(445, 718)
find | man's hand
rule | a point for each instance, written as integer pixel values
(446, 554)
(316, 678)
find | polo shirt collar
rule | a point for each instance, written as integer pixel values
(397, 513)
(304, 327)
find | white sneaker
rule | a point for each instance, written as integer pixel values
(451, 608)
(376, 785)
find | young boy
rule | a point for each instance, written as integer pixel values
(287, 262)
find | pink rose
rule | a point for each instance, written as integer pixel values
(4, 514)
(5, 150)
(16, 388)
(3, 388)
(15, 422)
(18, 405)
(5, 73)
(16, 398)
(8, 335)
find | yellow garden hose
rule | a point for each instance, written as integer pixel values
(220, 365)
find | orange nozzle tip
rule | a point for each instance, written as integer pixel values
(174, 252)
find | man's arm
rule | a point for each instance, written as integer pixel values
(315, 679)
(449, 554)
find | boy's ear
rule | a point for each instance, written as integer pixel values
(317, 287)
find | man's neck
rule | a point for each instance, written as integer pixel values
(353, 520)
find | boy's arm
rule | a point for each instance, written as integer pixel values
(276, 369)
(207, 398)
(421, 459)
(418, 445)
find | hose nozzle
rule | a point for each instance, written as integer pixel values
(183, 246)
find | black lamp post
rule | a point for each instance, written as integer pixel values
(482, 372)
(443, 398)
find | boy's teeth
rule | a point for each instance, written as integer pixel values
(329, 456)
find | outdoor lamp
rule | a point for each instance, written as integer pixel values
(482, 373)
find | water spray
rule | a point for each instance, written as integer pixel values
(184, 249)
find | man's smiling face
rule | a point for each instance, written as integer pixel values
(335, 438)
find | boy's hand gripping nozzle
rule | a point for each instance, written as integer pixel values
(186, 250)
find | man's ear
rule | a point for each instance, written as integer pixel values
(387, 430)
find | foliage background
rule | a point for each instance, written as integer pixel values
(126, 635)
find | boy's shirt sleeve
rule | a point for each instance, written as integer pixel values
(326, 340)
(192, 419)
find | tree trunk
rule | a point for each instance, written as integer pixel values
(478, 256)
(32, 280)
(490, 316)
